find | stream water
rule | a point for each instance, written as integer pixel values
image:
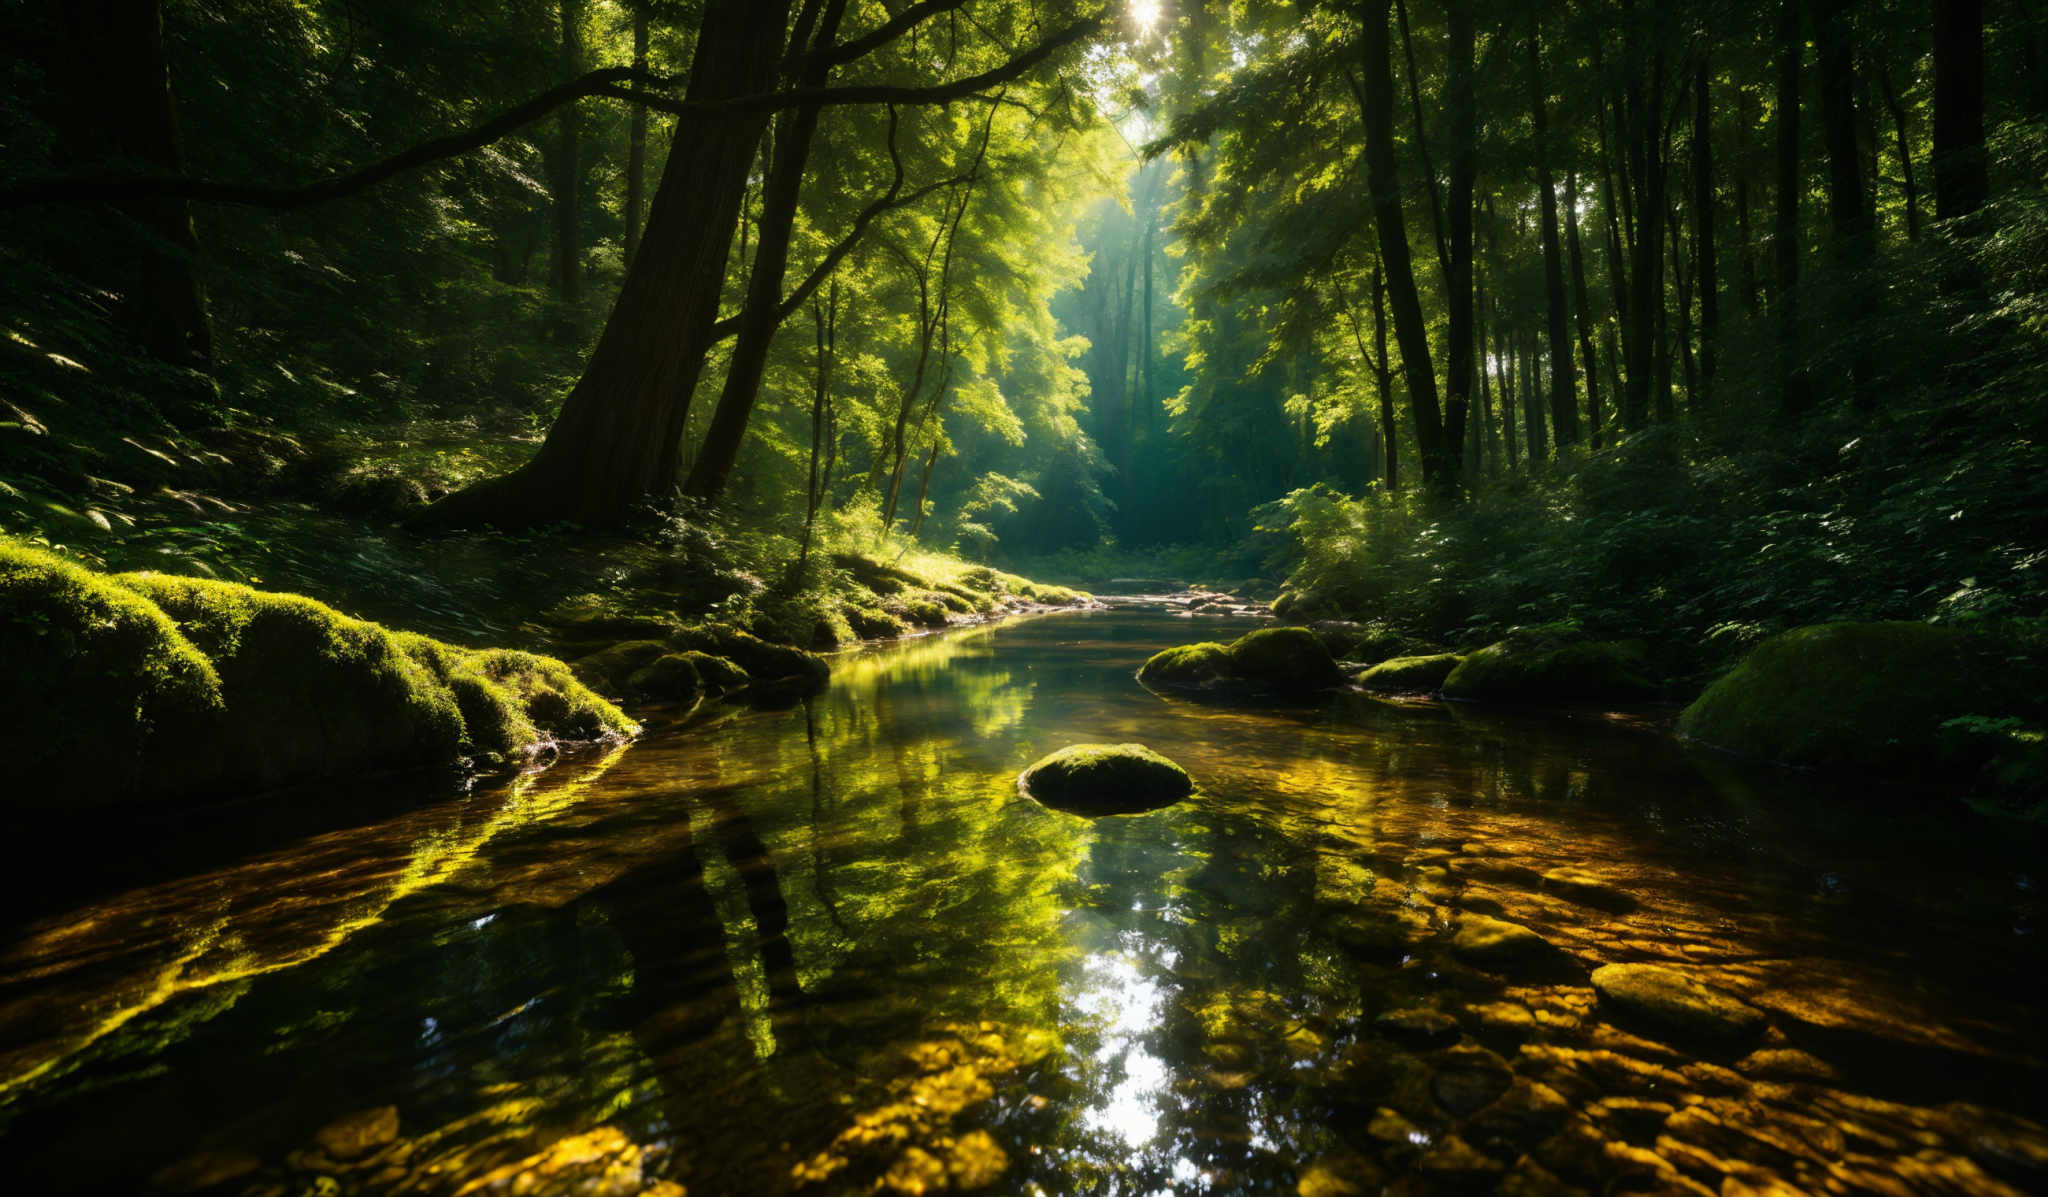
(830, 948)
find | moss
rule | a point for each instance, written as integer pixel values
(717, 673)
(1055, 596)
(957, 603)
(1534, 666)
(832, 630)
(1106, 779)
(912, 609)
(1369, 643)
(609, 668)
(100, 686)
(873, 623)
(148, 686)
(1418, 674)
(878, 576)
(671, 678)
(1854, 695)
(1286, 659)
(1190, 666)
(762, 661)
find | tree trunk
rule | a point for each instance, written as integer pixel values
(761, 315)
(1961, 170)
(824, 318)
(636, 145)
(1436, 204)
(1438, 465)
(1703, 227)
(1509, 397)
(1792, 399)
(1532, 403)
(1582, 308)
(568, 173)
(110, 103)
(1386, 378)
(1848, 204)
(1458, 283)
(1647, 364)
(1909, 187)
(1683, 282)
(1564, 402)
(616, 441)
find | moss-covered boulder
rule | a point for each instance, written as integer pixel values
(873, 623)
(1187, 667)
(762, 660)
(1269, 661)
(1419, 675)
(671, 677)
(1856, 696)
(611, 668)
(144, 686)
(1106, 779)
(1535, 666)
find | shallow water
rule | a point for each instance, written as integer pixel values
(831, 949)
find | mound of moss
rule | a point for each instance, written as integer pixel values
(142, 686)
(1420, 675)
(1365, 643)
(1282, 661)
(1106, 779)
(1187, 667)
(1535, 666)
(723, 659)
(1857, 696)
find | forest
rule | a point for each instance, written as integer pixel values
(1042, 596)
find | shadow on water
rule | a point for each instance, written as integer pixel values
(829, 948)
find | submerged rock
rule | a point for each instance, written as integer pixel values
(1675, 1001)
(1106, 779)
(1489, 941)
(144, 686)
(1531, 666)
(1277, 661)
(1853, 695)
(1421, 675)
(358, 1134)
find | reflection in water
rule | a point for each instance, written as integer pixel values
(830, 949)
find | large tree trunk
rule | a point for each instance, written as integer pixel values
(568, 171)
(636, 146)
(1961, 172)
(1647, 361)
(1564, 403)
(1792, 396)
(1385, 375)
(1909, 185)
(1582, 308)
(1458, 282)
(616, 441)
(1439, 465)
(761, 315)
(111, 105)
(1848, 204)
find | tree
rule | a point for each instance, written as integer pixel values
(1961, 174)
(1564, 413)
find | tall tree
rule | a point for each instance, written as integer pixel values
(636, 146)
(1564, 413)
(568, 180)
(1703, 215)
(1581, 308)
(1439, 464)
(1962, 179)
(1464, 173)
(1785, 224)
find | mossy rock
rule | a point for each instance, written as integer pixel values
(672, 677)
(1284, 660)
(1856, 696)
(762, 660)
(873, 623)
(145, 686)
(1106, 779)
(718, 674)
(611, 667)
(1420, 675)
(1535, 667)
(916, 610)
(957, 603)
(102, 692)
(1054, 596)
(1367, 643)
(1187, 667)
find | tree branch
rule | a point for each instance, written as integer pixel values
(888, 31)
(609, 81)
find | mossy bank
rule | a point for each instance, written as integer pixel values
(128, 688)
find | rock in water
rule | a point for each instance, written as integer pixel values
(1106, 779)
(1673, 1000)
(359, 1134)
(1420, 675)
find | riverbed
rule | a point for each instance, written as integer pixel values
(831, 948)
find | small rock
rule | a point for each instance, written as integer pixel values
(1456, 1158)
(1671, 999)
(1417, 1023)
(1469, 1080)
(1483, 940)
(359, 1134)
(203, 1170)
(1587, 890)
(1785, 1064)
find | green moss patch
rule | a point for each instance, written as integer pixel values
(1855, 696)
(1270, 661)
(1420, 675)
(1106, 779)
(143, 686)
(1187, 667)
(1537, 667)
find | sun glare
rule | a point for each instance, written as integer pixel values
(1145, 14)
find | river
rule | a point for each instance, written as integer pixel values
(830, 948)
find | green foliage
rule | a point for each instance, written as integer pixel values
(1548, 664)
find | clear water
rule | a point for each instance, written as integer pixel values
(832, 949)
